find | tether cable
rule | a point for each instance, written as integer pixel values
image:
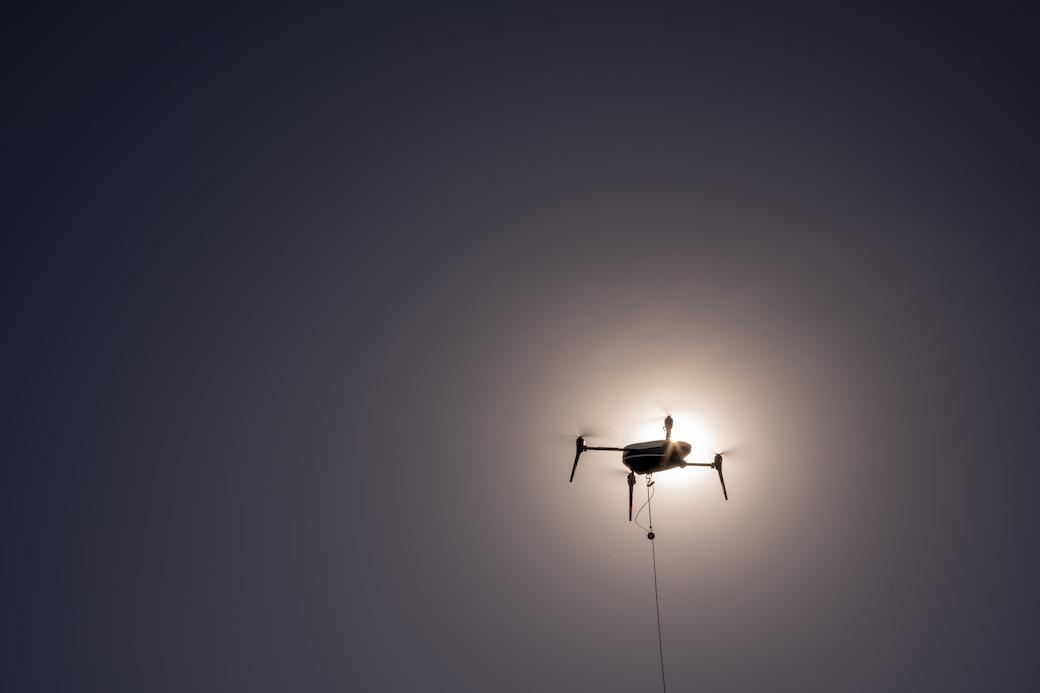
(653, 554)
(660, 645)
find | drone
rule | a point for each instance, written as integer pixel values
(652, 456)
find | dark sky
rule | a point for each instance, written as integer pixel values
(304, 309)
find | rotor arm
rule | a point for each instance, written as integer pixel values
(718, 468)
(580, 447)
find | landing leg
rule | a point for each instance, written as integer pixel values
(631, 486)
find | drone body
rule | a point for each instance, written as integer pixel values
(655, 455)
(652, 456)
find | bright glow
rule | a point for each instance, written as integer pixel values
(691, 427)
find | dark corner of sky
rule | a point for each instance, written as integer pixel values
(304, 309)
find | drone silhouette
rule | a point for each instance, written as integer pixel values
(652, 456)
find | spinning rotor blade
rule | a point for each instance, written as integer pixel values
(717, 464)
(583, 427)
(558, 437)
(579, 447)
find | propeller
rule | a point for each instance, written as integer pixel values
(579, 447)
(587, 428)
(717, 466)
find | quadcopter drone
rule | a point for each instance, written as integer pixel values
(652, 456)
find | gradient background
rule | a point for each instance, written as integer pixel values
(304, 309)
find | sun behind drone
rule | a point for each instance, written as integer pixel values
(652, 456)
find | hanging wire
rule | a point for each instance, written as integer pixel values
(650, 491)
(657, 603)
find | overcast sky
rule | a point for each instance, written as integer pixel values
(304, 311)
